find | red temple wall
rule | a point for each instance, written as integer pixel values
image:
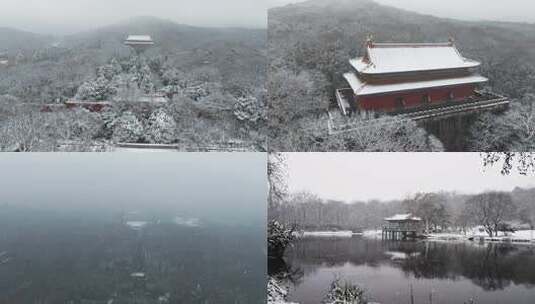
(389, 102)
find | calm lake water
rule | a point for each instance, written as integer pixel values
(446, 272)
(95, 259)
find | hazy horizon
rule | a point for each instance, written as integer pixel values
(60, 17)
(222, 187)
(393, 176)
(474, 10)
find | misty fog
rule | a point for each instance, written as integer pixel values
(514, 10)
(222, 188)
(67, 17)
(390, 176)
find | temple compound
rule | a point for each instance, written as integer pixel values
(414, 78)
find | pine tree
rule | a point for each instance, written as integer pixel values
(127, 128)
(161, 128)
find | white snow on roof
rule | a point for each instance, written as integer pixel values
(139, 38)
(358, 63)
(404, 57)
(403, 217)
(361, 88)
(354, 82)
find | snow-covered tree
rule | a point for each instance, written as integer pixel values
(98, 90)
(161, 128)
(127, 128)
(491, 210)
(523, 162)
(106, 71)
(145, 79)
(249, 110)
(24, 133)
(173, 77)
(279, 238)
(109, 118)
(116, 66)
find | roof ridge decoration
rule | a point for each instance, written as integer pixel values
(411, 44)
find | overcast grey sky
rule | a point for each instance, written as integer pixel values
(74, 15)
(229, 187)
(511, 10)
(385, 176)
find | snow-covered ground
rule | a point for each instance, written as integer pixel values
(140, 150)
(397, 255)
(476, 233)
(277, 293)
(373, 234)
(345, 233)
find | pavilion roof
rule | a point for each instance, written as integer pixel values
(403, 217)
(362, 88)
(386, 58)
(139, 39)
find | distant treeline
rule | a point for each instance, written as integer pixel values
(440, 211)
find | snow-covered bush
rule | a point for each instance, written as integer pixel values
(345, 294)
(160, 128)
(279, 237)
(127, 128)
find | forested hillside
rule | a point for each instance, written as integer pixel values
(310, 44)
(213, 78)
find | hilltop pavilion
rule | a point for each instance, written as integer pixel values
(140, 43)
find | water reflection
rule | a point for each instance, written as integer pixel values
(491, 271)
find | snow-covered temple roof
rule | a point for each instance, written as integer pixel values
(362, 88)
(139, 39)
(386, 58)
(403, 217)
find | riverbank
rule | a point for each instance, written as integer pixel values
(520, 237)
(277, 293)
(475, 235)
(341, 233)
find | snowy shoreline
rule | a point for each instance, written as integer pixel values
(518, 237)
(342, 233)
